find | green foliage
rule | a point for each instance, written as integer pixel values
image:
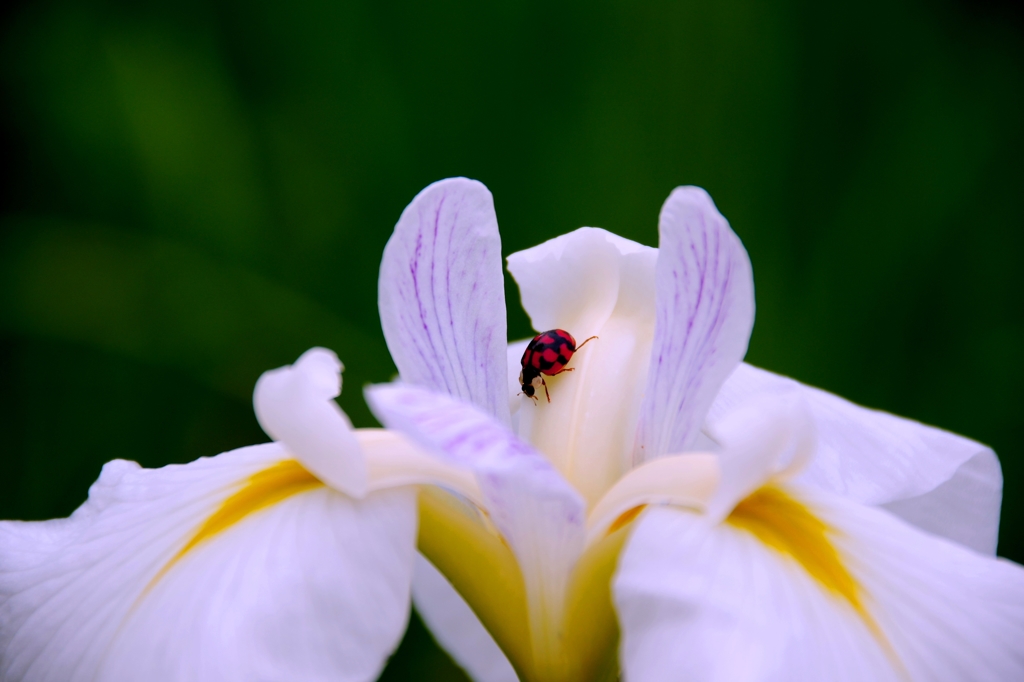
(203, 191)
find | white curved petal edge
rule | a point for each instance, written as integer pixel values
(690, 481)
(312, 588)
(709, 602)
(295, 405)
(442, 295)
(572, 282)
(531, 505)
(765, 440)
(456, 628)
(941, 482)
(705, 313)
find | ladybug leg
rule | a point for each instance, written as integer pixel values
(545, 384)
(564, 369)
(584, 343)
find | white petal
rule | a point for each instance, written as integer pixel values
(589, 282)
(570, 282)
(442, 295)
(395, 461)
(456, 628)
(514, 360)
(707, 602)
(705, 305)
(965, 508)
(941, 482)
(767, 439)
(533, 507)
(688, 481)
(312, 587)
(295, 405)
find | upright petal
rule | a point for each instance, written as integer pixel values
(589, 282)
(533, 507)
(705, 305)
(942, 483)
(441, 295)
(837, 591)
(237, 567)
(295, 405)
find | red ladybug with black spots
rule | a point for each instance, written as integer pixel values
(547, 354)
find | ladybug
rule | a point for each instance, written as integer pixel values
(548, 354)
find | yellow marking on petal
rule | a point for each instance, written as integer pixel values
(591, 626)
(462, 543)
(477, 561)
(625, 519)
(263, 489)
(779, 521)
(787, 526)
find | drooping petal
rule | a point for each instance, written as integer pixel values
(936, 480)
(705, 305)
(839, 591)
(531, 505)
(295, 405)
(589, 282)
(442, 298)
(237, 567)
(456, 628)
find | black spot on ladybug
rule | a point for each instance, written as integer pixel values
(547, 354)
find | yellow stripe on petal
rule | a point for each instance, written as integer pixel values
(480, 565)
(787, 526)
(779, 521)
(263, 489)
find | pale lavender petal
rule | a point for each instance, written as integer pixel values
(940, 482)
(442, 296)
(705, 312)
(536, 510)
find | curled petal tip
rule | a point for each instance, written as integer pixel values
(323, 368)
(295, 405)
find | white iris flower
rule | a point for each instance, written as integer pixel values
(672, 513)
(762, 554)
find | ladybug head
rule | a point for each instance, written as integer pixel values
(528, 390)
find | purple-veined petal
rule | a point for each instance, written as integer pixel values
(291, 580)
(295, 405)
(442, 297)
(705, 313)
(716, 602)
(939, 481)
(536, 510)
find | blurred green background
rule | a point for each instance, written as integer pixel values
(197, 192)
